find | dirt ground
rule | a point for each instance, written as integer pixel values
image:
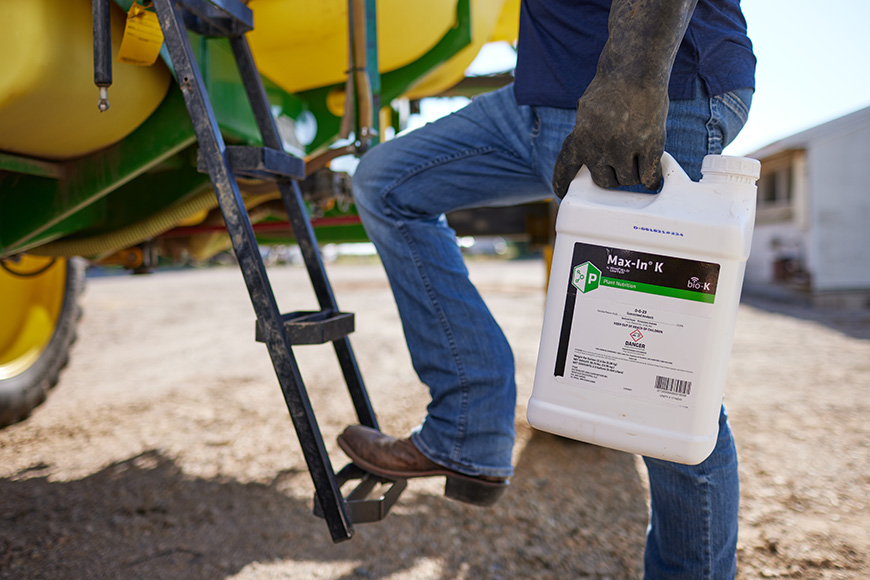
(167, 451)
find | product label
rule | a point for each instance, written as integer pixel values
(616, 337)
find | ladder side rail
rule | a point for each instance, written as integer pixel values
(302, 228)
(247, 252)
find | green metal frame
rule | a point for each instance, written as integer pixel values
(35, 210)
(41, 201)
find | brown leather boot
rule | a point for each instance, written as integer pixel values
(393, 458)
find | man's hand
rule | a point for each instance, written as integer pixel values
(620, 130)
(619, 135)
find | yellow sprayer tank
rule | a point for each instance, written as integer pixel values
(491, 20)
(48, 101)
(300, 45)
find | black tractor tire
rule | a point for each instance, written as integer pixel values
(21, 393)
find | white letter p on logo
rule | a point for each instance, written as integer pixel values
(585, 277)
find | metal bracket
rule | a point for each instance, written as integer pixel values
(217, 17)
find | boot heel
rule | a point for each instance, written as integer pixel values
(474, 491)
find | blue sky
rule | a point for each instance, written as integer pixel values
(813, 66)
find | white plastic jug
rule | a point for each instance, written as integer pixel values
(641, 307)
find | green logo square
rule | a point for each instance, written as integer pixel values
(586, 277)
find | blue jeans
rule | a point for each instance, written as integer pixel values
(491, 153)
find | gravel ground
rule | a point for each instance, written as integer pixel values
(167, 452)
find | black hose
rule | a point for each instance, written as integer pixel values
(102, 49)
(102, 43)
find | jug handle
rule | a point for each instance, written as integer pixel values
(672, 172)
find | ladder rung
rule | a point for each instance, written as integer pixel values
(260, 163)
(361, 508)
(265, 163)
(317, 327)
(218, 17)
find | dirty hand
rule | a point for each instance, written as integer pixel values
(620, 129)
(619, 135)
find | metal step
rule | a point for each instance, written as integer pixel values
(259, 163)
(370, 501)
(313, 327)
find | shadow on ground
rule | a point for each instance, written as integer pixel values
(853, 323)
(145, 518)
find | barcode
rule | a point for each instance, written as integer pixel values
(673, 385)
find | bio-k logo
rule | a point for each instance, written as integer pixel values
(586, 277)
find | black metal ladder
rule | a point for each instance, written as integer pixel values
(233, 19)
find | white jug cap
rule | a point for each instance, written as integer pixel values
(729, 165)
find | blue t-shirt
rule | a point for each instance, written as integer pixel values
(560, 41)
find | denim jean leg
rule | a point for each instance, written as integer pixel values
(693, 523)
(402, 188)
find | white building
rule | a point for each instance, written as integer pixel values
(812, 234)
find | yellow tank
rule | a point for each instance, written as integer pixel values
(508, 24)
(491, 20)
(48, 101)
(299, 44)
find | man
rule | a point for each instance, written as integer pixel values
(649, 75)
